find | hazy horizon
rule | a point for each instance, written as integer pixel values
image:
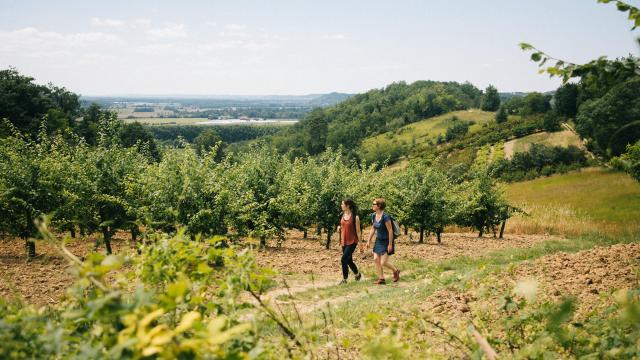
(251, 48)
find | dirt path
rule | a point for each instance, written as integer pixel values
(44, 280)
(308, 256)
(508, 148)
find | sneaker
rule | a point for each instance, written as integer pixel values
(358, 276)
(342, 282)
(380, 282)
(396, 275)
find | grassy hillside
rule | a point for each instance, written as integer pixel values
(560, 138)
(422, 132)
(591, 200)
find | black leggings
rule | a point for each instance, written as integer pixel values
(347, 260)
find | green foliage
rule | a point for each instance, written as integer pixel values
(377, 111)
(136, 135)
(25, 103)
(607, 94)
(184, 189)
(538, 330)
(551, 122)
(316, 129)
(629, 161)
(458, 130)
(207, 141)
(424, 198)
(228, 133)
(490, 100)
(535, 103)
(514, 104)
(565, 100)
(539, 160)
(599, 119)
(501, 115)
(481, 204)
(171, 314)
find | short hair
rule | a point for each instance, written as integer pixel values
(381, 203)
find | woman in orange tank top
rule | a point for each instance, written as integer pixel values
(350, 233)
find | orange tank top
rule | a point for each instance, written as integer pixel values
(348, 231)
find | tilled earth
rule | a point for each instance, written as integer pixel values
(591, 276)
(306, 256)
(44, 279)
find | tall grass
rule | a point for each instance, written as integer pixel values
(594, 200)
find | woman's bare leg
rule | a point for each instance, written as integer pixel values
(387, 263)
(376, 260)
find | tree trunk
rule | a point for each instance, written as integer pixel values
(30, 247)
(318, 230)
(504, 222)
(72, 230)
(481, 232)
(106, 235)
(493, 228)
(304, 234)
(438, 237)
(421, 236)
(82, 233)
(134, 236)
(263, 242)
(328, 245)
(406, 230)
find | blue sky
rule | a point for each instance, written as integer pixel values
(299, 47)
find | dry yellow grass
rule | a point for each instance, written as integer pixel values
(588, 201)
(559, 138)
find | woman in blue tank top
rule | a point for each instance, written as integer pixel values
(383, 247)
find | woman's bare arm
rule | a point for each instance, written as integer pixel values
(390, 230)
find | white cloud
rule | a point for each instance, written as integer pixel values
(118, 24)
(235, 27)
(31, 42)
(234, 30)
(142, 22)
(333, 37)
(234, 44)
(211, 23)
(172, 31)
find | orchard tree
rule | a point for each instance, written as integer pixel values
(425, 202)
(296, 198)
(336, 178)
(115, 167)
(184, 190)
(251, 190)
(490, 100)
(21, 200)
(482, 205)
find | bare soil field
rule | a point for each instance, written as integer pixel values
(590, 276)
(43, 280)
(309, 256)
